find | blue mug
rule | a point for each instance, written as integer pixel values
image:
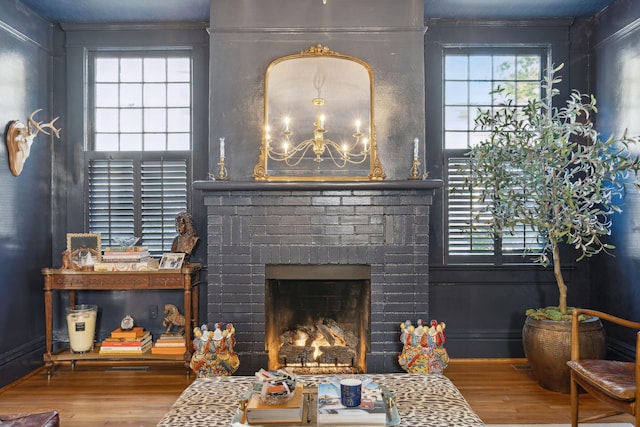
(350, 392)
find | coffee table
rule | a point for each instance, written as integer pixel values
(421, 400)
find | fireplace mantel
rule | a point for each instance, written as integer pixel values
(211, 185)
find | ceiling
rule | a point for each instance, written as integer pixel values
(140, 11)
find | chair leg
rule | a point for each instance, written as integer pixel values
(574, 402)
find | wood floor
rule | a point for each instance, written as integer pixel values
(500, 391)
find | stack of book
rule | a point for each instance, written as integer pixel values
(132, 341)
(289, 412)
(124, 258)
(371, 411)
(169, 344)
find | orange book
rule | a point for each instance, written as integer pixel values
(168, 350)
(136, 332)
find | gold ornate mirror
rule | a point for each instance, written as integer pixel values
(318, 119)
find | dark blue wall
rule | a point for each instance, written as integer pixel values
(25, 200)
(43, 68)
(75, 42)
(615, 286)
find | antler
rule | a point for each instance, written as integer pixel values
(41, 127)
(19, 138)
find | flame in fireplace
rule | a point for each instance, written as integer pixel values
(316, 345)
(301, 339)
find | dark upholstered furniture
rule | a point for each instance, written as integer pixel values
(43, 419)
(612, 382)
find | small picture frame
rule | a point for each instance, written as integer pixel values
(171, 261)
(84, 248)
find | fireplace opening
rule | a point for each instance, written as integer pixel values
(318, 317)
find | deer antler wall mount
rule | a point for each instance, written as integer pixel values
(20, 137)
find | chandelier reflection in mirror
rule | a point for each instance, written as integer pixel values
(318, 119)
(354, 150)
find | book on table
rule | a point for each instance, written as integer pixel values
(126, 249)
(132, 341)
(126, 349)
(289, 412)
(168, 350)
(170, 341)
(146, 336)
(371, 412)
(170, 344)
(135, 332)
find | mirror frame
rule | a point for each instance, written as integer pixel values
(375, 168)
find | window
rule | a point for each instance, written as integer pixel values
(138, 153)
(469, 78)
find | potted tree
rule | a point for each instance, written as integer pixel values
(547, 168)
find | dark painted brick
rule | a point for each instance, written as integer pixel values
(354, 239)
(340, 210)
(325, 201)
(310, 211)
(356, 201)
(339, 229)
(318, 227)
(369, 210)
(325, 220)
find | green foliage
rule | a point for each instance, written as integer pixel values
(547, 168)
(553, 313)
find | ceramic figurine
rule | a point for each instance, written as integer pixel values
(214, 355)
(423, 349)
(173, 318)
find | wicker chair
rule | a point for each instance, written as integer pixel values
(612, 382)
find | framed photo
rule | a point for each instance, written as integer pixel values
(84, 248)
(171, 261)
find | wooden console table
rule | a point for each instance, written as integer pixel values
(187, 278)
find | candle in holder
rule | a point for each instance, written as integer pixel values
(222, 147)
(415, 147)
(81, 324)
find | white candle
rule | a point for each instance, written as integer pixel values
(286, 124)
(415, 147)
(221, 147)
(364, 143)
(81, 325)
(357, 126)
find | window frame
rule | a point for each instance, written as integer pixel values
(498, 257)
(138, 157)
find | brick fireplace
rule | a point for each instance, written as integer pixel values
(382, 227)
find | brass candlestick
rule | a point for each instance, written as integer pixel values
(222, 171)
(415, 173)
